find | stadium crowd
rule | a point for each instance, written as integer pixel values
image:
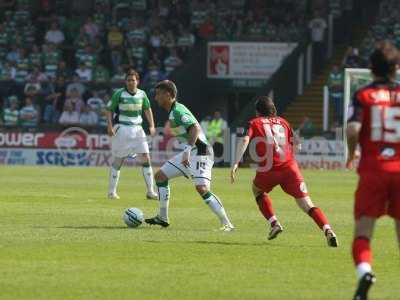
(385, 27)
(59, 64)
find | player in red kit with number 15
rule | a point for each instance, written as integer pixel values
(375, 126)
(271, 145)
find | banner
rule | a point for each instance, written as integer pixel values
(245, 60)
(68, 158)
(72, 138)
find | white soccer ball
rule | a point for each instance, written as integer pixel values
(133, 217)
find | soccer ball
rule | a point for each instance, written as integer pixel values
(133, 217)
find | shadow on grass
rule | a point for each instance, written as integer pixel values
(95, 227)
(227, 243)
(86, 227)
(210, 243)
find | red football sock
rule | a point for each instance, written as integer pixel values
(361, 250)
(319, 218)
(265, 206)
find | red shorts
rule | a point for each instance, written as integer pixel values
(378, 194)
(289, 178)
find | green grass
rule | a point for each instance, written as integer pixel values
(61, 239)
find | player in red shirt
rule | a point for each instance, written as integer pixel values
(271, 146)
(375, 126)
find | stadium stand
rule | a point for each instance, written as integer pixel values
(47, 47)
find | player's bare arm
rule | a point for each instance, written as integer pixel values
(353, 130)
(110, 129)
(149, 117)
(240, 149)
(194, 133)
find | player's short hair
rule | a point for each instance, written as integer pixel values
(384, 60)
(168, 86)
(132, 72)
(265, 106)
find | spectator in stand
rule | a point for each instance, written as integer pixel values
(137, 32)
(54, 35)
(11, 114)
(95, 102)
(87, 56)
(84, 73)
(46, 15)
(207, 28)
(91, 29)
(98, 47)
(152, 76)
(204, 123)
(103, 110)
(76, 84)
(88, 117)
(137, 54)
(185, 41)
(35, 57)
(28, 115)
(335, 84)
(22, 67)
(169, 40)
(101, 17)
(216, 130)
(7, 71)
(119, 76)
(172, 61)
(32, 89)
(69, 116)
(3, 36)
(115, 40)
(101, 74)
(352, 58)
(98, 104)
(306, 128)
(156, 38)
(82, 40)
(13, 54)
(36, 76)
(51, 58)
(317, 28)
(74, 100)
(63, 70)
(54, 102)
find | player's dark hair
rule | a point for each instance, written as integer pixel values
(265, 106)
(384, 60)
(168, 86)
(132, 72)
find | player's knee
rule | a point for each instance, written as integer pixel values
(305, 204)
(202, 189)
(257, 192)
(160, 176)
(364, 227)
(117, 163)
(145, 158)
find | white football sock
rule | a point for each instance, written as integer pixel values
(163, 196)
(273, 219)
(113, 180)
(148, 178)
(216, 206)
(363, 268)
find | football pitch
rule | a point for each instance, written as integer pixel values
(61, 238)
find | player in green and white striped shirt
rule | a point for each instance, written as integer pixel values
(195, 161)
(124, 125)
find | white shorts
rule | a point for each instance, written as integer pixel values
(128, 140)
(199, 170)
